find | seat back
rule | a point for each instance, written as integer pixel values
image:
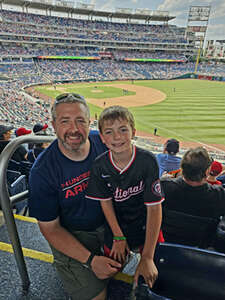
(219, 243)
(18, 186)
(12, 176)
(186, 229)
(25, 167)
(189, 273)
(17, 183)
(13, 165)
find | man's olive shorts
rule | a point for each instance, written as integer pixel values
(80, 282)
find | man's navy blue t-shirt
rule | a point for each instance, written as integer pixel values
(57, 188)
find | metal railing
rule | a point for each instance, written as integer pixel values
(6, 201)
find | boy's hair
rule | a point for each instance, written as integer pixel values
(113, 113)
(172, 146)
(195, 163)
(69, 98)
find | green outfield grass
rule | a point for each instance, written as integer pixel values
(193, 109)
(96, 91)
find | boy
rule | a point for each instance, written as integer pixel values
(125, 179)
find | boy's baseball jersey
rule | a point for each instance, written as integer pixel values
(130, 189)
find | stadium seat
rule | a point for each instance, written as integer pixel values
(17, 183)
(189, 273)
(12, 175)
(189, 230)
(219, 243)
(25, 167)
(13, 165)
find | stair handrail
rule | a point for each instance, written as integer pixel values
(6, 203)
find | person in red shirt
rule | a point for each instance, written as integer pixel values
(215, 169)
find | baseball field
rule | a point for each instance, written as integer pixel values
(189, 110)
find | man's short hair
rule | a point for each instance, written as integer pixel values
(68, 98)
(113, 113)
(195, 163)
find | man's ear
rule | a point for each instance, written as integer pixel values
(53, 125)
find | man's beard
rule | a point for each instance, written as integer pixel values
(73, 147)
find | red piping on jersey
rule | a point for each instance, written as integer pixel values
(101, 199)
(128, 165)
(155, 202)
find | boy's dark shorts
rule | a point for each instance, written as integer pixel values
(80, 282)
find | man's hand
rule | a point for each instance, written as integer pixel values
(148, 270)
(104, 267)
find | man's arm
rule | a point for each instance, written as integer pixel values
(66, 243)
(146, 267)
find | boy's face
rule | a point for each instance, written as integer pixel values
(117, 135)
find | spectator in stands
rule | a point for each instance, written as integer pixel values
(168, 160)
(35, 151)
(22, 131)
(5, 135)
(58, 181)
(215, 169)
(126, 181)
(39, 128)
(191, 194)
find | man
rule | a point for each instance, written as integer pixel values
(58, 182)
(192, 194)
(5, 135)
(168, 161)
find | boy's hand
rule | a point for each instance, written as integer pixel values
(119, 251)
(148, 270)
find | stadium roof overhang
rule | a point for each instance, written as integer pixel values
(45, 5)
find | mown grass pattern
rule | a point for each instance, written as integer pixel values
(194, 110)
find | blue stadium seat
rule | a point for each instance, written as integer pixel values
(188, 230)
(189, 273)
(17, 183)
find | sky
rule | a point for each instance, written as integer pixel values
(177, 8)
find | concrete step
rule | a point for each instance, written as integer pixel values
(29, 234)
(45, 283)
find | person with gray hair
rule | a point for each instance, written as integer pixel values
(58, 181)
